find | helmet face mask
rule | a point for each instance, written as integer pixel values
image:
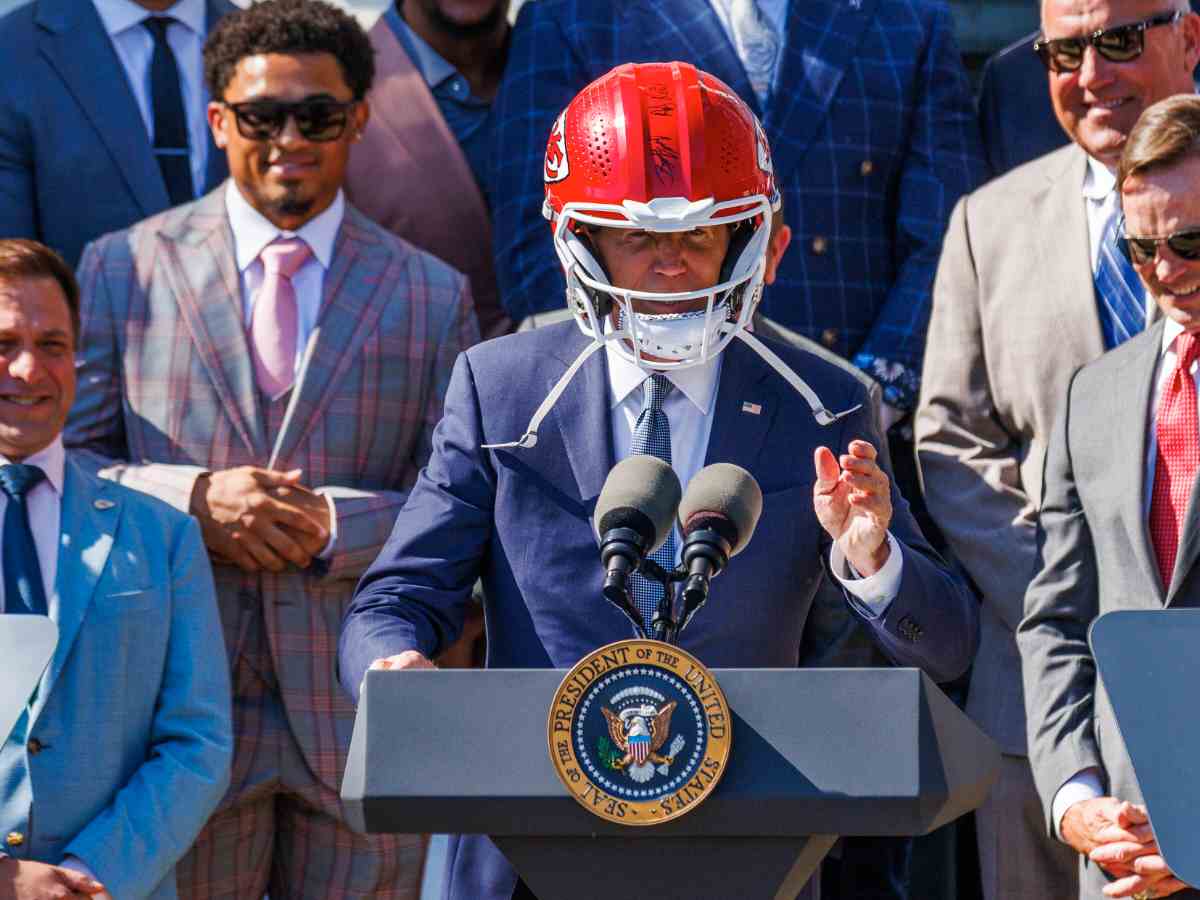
(630, 152)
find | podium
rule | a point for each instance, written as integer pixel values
(816, 753)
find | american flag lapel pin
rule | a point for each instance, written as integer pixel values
(755, 409)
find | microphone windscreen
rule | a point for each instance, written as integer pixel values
(722, 491)
(641, 492)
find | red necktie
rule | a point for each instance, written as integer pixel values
(1178, 457)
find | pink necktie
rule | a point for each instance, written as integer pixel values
(1178, 457)
(273, 321)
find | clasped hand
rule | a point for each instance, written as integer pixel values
(260, 519)
(1116, 835)
(853, 501)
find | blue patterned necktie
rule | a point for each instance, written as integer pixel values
(23, 590)
(757, 45)
(652, 436)
(1119, 292)
(170, 119)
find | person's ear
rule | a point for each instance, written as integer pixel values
(219, 117)
(775, 249)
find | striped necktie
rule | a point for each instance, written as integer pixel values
(1120, 295)
(652, 436)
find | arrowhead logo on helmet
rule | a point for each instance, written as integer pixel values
(557, 165)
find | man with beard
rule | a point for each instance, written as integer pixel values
(421, 168)
(271, 361)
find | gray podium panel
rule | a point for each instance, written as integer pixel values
(26, 645)
(1149, 661)
(815, 751)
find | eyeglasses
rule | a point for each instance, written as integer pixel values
(1141, 250)
(316, 120)
(1119, 44)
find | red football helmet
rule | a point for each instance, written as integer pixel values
(660, 147)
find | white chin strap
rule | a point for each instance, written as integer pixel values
(530, 437)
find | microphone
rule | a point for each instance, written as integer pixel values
(717, 517)
(634, 514)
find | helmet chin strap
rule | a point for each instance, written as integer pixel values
(529, 438)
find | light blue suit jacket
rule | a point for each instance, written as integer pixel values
(131, 721)
(75, 159)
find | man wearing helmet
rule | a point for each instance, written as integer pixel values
(661, 195)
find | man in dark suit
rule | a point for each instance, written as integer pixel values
(665, 250)
(102, 116)
(870, 118)
(1119, 522)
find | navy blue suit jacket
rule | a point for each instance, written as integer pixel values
(521, 520)
(76, 161)
(873, 134)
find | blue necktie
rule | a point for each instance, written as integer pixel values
(1119, 291)
(170, 120)
(652, 436)
(23, 590)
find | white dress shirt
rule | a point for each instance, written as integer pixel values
(252, 231)
(44, 502)
(123, 21)
(1085, 785)
(689, 410)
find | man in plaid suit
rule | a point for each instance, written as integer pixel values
(871, 126)
(273, 362)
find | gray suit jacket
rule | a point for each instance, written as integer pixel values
(1095, 556)
(1014, 315)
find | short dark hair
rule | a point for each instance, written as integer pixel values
(291, 27)
(1165, 133)
(21, 258)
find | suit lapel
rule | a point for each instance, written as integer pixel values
(1065, 260)
(738, 435)
(1133, 390)
(700, 40)
(201, 272)
(821, 37)
(357, 288)
(582, 418)
(402, 103)
(216, 169)
(76, 45)
(91, 513)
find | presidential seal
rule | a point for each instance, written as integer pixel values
(639, 732)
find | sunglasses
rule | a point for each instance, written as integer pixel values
(316, 120)
(1119, 44)
(1139, 250)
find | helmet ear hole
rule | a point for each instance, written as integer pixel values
(738, 241)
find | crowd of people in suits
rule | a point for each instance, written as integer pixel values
(296, 381)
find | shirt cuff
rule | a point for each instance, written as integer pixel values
(875, 591)
(1083, 785)
(327, 551)
(75, 864)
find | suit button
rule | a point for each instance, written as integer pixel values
(34, 746)
(829, 337)
(866, 168)
(14, 839)
(820, 244)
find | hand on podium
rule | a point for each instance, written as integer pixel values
(409, 659)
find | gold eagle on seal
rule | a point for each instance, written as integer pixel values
(639, 732)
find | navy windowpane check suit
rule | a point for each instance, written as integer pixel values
(872, 129)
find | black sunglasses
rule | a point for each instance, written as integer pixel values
(1119, 44)
(1141, 250)
(317, 120)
